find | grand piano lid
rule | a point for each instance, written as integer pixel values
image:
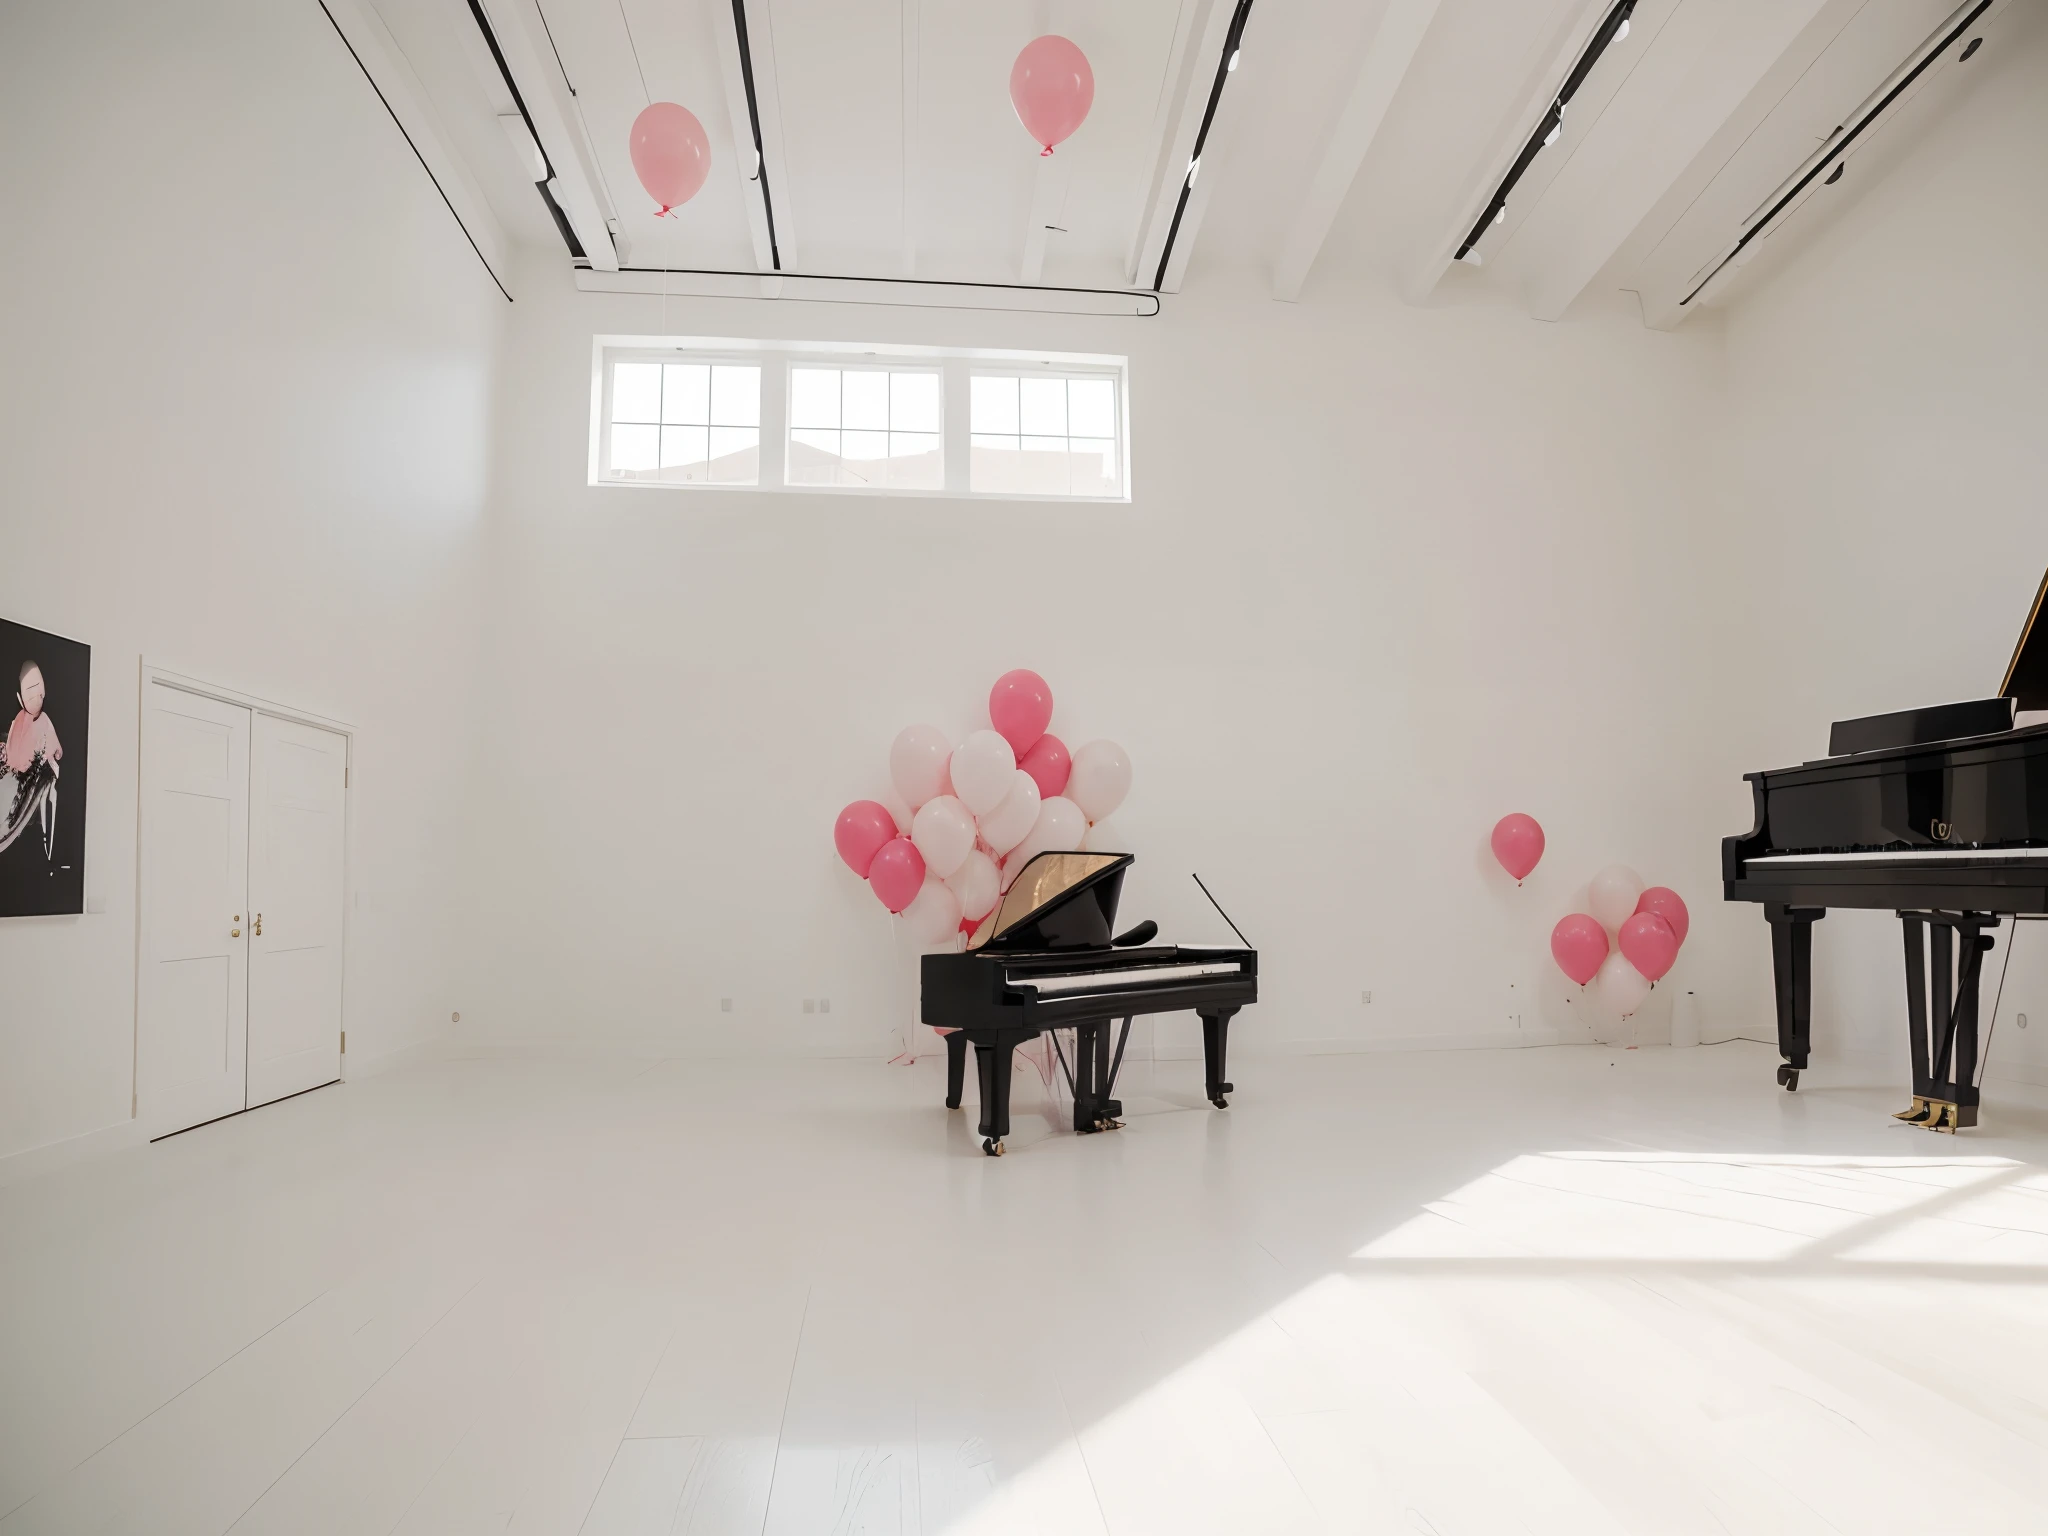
(1048, 882)
(2026, 677)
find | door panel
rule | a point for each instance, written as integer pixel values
(296, 842)
(192, 1018)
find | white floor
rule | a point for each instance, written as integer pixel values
(1570, 1290)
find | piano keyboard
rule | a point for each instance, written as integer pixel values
(1903, 856)
(1133, 976)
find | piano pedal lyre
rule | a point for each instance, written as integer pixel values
(1915, 1113)
(1943, 1118)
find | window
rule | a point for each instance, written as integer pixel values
(1044, 434)
(850, 420)
(865, 427)
(685, 423)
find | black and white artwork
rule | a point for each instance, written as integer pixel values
(42, 772)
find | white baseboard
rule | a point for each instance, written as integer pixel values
(32, 1162)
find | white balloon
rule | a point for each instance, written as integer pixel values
(934, 912)
(917, 763)
(984, 768)
(1011, 821)
(944, 834)
(1614, 894)
(1060, 826)
(1621, 988)
(1104, 837)
(1100, 779)
(976, 884)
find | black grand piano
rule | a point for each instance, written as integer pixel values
(1940, 815)
(1044, 959)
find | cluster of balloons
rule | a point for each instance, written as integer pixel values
(971, 816)
(671, 155)
(1052, 88)
(1648, 926)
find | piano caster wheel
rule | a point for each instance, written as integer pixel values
(1220, 1102)
(991, 1146)
(952, 1103)
(1788, 1079)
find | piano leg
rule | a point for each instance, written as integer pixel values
(1941, 1016)
(993, 1062)
(1792, 974)
(1086, 1082)
(956, 1067)
(1215, 1042)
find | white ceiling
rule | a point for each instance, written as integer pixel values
(1358, 136)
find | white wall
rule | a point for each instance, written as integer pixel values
(1888, 521)
(244, 431)
(1389, 573)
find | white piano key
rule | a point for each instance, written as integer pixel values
(1133, 976)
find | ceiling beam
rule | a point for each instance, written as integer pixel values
(1198, 42)
(754, 194)
(1387, 57)
(912, 28)
(1546, 67)
(389, 72)
(1682, 87)
(577, 185)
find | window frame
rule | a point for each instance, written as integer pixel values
(776, 360)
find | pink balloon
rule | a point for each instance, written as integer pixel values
(897, 874)
(1020, 708)
(1648, 944)
(863, 828)
(1052, 88)
(1579, 944)
(671, 156)
(1667, 904)
(1518, 844)
(1049, 764)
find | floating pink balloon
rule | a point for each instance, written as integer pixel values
(897, 874)
(1049, 764)
(1020, 708)
(671, 155)
(1518, 844)
(1052, 88)
(1648, 944)
(862, 829)
(1667, 904)
(1579, 944)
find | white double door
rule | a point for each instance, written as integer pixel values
(242, 842)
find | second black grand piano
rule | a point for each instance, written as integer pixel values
(1045, 959)
(1939, 815)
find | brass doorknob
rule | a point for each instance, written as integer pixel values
(259, 925)
(234, 933)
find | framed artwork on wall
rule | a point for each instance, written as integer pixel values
(42, 772)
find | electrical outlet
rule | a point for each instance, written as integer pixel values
(810, 1006)
(824, 1005)
(1365, 997)
(725, 1005)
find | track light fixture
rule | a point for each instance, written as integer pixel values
(1612, 29)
